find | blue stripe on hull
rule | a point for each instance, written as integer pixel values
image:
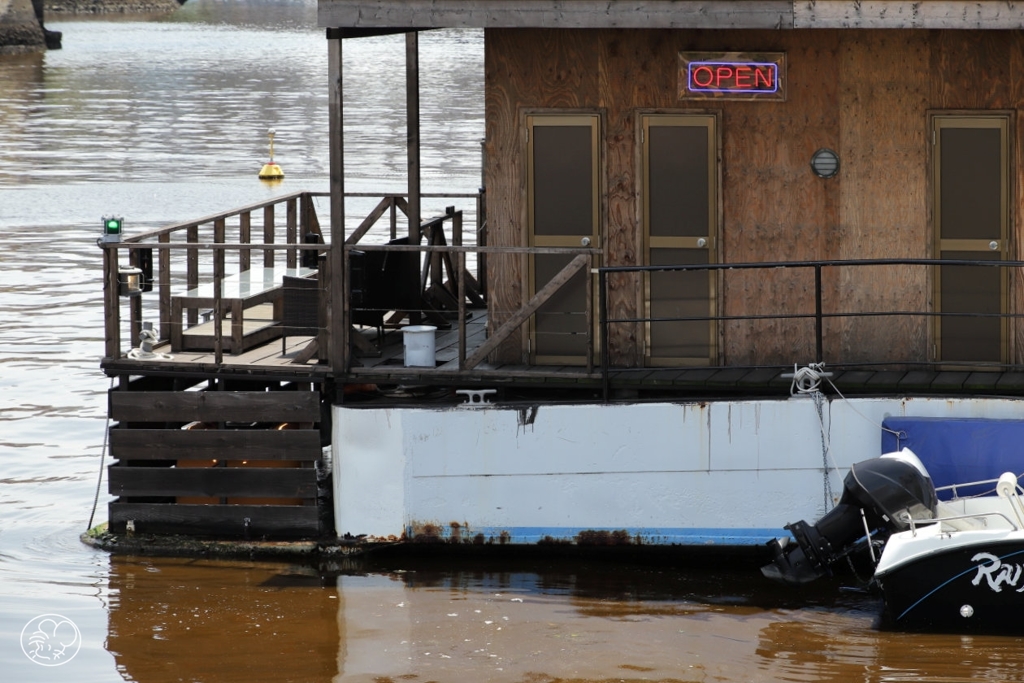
(610, 536)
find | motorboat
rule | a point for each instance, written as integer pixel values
(949, 559)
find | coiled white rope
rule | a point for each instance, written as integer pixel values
(806, 380)
(147, 340)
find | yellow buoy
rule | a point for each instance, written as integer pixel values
(270, 170)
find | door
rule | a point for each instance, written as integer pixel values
(971, 217)
(680, 219)
(563, 211)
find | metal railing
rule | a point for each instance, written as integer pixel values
(819, 307)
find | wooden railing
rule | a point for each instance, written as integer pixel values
(209, 250)
(184, 249)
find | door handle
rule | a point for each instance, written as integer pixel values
(701, 242)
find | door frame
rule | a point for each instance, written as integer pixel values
(1005, 121)
(716, 228)
(561, 117)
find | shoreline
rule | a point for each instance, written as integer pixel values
(58, 8)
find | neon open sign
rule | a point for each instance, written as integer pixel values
(732, 75)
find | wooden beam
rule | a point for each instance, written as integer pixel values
(931, 14)
(240, 521)
(409, 14)
(363, 17)
(250, 482)
(209, 444)
(214, 406)
(520, 316)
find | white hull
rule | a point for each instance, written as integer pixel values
(728, 473)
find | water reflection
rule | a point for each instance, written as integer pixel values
(205, 621)
(188, 620)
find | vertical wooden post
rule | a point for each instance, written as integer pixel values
(412, 113)
(244, 237)
(338, 353)
(457, 241)
(394, 218)
(268, 235)
(164, 280)
(291, 231)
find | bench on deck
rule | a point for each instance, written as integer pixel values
(239, 292)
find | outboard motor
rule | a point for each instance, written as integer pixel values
(880, 496)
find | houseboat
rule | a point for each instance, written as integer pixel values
(720, 247)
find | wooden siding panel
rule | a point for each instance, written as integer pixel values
(971, 70)
(227, 521)
(863, 93)
(883, 196)
(625, 80)
(203, 444)
(523, 69)
(776, 209)
(214, 406)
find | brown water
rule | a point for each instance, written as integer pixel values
(164, 119)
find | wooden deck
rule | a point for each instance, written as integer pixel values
(385, 366)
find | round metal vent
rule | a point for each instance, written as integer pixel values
(825, 163)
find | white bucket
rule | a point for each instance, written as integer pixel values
(419, 345)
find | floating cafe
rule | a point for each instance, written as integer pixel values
(722, 251)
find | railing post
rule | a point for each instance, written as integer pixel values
(192, 270)
(481, 241)
(394, 218)
(460, 260)
(817, 314)
(268, 235)
(218, 322)
(588, 284)
(602, 297)
(245, 237)
(164, 293)
(291, 231)
(134, 307)
(112, 315)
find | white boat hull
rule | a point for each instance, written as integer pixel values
(723, 473)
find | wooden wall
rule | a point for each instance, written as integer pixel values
(865, 94)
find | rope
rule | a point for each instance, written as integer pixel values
(898, 434)
(826, 438)
(807, 382)
(807, 379)
(147, 340)
(103, 457)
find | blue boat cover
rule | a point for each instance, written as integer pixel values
(959, 450)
